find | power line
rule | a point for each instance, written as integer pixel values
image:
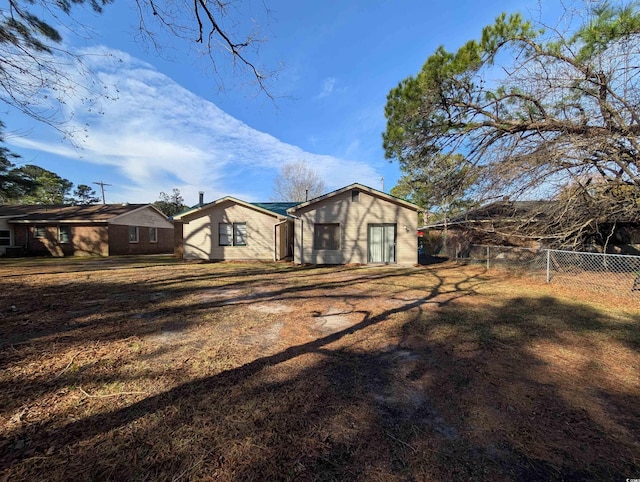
(102, 185)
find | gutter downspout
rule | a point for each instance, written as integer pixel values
(275, 239)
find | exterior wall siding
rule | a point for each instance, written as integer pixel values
(146, 217)
(354, 219)
(200, 234)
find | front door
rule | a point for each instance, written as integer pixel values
(381, 243)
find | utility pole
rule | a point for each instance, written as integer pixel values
(102, 185)
(382, 181)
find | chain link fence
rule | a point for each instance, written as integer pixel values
(606, 273)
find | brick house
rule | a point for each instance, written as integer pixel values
(94, 230)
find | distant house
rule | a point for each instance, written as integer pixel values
(355, 224)
(530, 224)
(232, 229)
(94, 230)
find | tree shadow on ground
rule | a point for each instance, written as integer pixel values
(440, 384)
(428, 259)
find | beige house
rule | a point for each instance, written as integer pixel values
(355, 224)
(231, 229)
(94, 230)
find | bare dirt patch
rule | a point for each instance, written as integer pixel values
(272, 308)
(239, 371)
(334, 320)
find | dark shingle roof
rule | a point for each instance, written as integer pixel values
(45, 212)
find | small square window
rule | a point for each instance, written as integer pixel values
(153, 235)
(355, 196)
(64, 234)
(326, 236)
(232, 234)
(40, 232)
(133, 234)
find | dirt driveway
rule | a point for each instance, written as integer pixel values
(237, 371)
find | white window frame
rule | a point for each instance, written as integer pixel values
(233, 234)
(153, 238)
(136, 231)
(239, 237)
(67, 237)
(225, 230)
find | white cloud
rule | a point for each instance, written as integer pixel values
(327, 87)
(158, 135)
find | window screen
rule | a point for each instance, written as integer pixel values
(326, 236)
(225, 231)
(232, 234)
(64, 234)
(133, 234)
(239, 234)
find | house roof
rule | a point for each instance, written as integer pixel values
(360, 187)
(500, 210)
(277, 210)
(95, 213)
(285, 209)
(280, 208)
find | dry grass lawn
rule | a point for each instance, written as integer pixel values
(162, 370)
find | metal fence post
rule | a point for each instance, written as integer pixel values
(584, 269)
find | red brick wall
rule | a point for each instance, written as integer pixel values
(119, 241)
(86, 240)
(20, 235)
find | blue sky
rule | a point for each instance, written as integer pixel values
(164, 121)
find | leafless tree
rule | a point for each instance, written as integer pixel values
(552, 115)
(38, 72)
(297, 182)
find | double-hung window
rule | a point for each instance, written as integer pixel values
(232, 234)
(64, 233)
(39, 232)
(133, 234)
